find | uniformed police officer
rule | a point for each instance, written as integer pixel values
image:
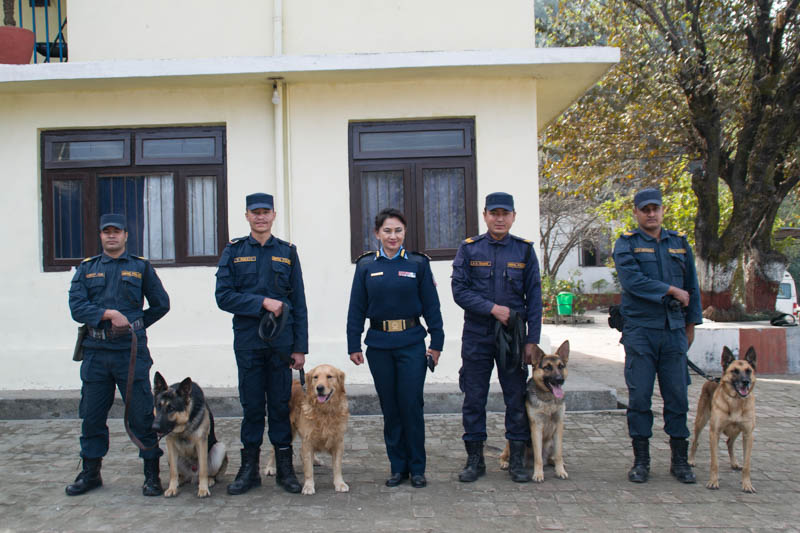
(660, 305)
(393, 287)
(107, 294)
(494, 273)
(260, 274)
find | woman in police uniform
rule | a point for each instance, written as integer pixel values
(393, 287)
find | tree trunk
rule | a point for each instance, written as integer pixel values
(763, 273)
(716, 287)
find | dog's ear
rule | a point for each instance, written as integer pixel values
(340, 377)
(538, 355)
(727, 358)
(185, 388)
(563, 351)
(310, 390)
(159, 384)
(750, 356)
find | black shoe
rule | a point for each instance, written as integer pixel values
(418, 481)
(88, 479)
(152, 480)
(285, 476)
(397, 478)
(679, 466)
(640, 470)
(248, 476)
(516, 461)
(476, 466)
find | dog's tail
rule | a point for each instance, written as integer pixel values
(217, 459)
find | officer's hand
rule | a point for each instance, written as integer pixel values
(529, 353)
(435, 354)
(118, 320)
(501, 313)
(357, 358)
(690, 333)
(273, 306)
(679, 294)
(299, 360)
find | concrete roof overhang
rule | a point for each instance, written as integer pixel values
(563, 74)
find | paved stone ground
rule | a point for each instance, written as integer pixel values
(39, 457)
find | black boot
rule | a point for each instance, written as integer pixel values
(285, 471)
(248, 476)
(88, 479)
(640, 470)
(516, 461)
(152, 480)
(679, 466)
(475, 467)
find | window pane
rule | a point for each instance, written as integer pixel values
(445, 212)
(148, 205)
(67, 225)
(412, 140)
(784, 291)
(379, 189)
(177, 148)
(87, 150)
(201, 211)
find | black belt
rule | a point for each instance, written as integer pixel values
(108, 333)
(401, 324)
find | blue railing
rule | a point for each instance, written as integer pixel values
(51, 50)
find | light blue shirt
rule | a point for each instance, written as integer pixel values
(397, 255)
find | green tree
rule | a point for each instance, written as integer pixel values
(705, 87)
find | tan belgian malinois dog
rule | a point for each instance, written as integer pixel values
(731, 408)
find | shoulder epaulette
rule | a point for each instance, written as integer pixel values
(287, 243)
(628, 233)
(90, 258)
(372, 253)
(139, 257)
(236, 240)
(470, 240)
(528, 241)
(418, 256)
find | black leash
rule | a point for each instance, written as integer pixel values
(270, 323)
(699, 371)
(510, 342)
(129, 390)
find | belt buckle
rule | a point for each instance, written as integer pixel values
(393, 325)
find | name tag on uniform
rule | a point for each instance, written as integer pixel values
(645, 250)
(91, 275)
(480, 263)
(373, 274)
(677, 250)
(245, 259)
(132, 274)
(516, 265)
(404, 274)
(279, 259)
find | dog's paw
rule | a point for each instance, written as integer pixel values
(203, 492)
(341, 487)
(171, 492)
(538, 476)
(269, 470)
(691, 462)
(561, 473)
(503, 464)
(713, 485)
(211, 482)
(748, 487)
(736, 466)
(317, 460)
(308, 488)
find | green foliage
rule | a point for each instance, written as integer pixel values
(550, 289)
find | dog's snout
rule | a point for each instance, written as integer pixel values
(320, 389)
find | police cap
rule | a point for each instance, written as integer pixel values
(647, 197)
(112, 219)
(500, 200)
(259, 200)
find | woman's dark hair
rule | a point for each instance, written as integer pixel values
(389, 212)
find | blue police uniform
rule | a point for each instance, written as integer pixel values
(100, 283)
(247, 273)
(400, 289)
(654, 334)
(488, 272)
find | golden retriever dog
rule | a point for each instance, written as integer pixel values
(731, 408)
(319, 417)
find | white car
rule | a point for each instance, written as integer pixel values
(787, 296)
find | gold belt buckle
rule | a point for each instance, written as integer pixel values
(393, 325)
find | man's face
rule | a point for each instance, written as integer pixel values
(113, 239)
(649, 217)
(260, 220)
(499, 221)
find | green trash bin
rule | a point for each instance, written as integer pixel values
(564, 300)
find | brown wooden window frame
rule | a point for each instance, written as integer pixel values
(89, 172)
(412, 163)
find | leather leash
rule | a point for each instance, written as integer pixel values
(129, 390)
(700, 372)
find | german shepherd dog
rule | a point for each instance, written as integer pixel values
(731, 407)
(544, 403)
(182, 415)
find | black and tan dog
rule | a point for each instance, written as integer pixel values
(544, 403)
(182, 415)
(731, 408)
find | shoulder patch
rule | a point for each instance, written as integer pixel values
(470, 240)
(140, 257)
(90, 258)
(628, 233)
(527, 241)
(237, 239)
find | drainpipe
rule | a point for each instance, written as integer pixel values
(281, 190)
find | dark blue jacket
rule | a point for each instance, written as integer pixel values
(391, 289)
(505, 272)
(101, 283)
(646, 268)
(247, 273)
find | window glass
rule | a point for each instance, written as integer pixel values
(445, 213)
(412, 140)
(67, 217)
(61, 151)
(177, 148)
(379, 190)
(784, 291)
(201, 213)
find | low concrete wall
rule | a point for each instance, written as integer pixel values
(777, 348)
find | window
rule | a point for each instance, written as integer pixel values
(595, 253)
(169, 183)
(784, 291)
(426, 169)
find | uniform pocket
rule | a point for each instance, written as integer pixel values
(132, 289)
(480, 277)
(515, 280)
(95, 286)
(245, 274)
(280, 280)
(677, 268)
(648, 263)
